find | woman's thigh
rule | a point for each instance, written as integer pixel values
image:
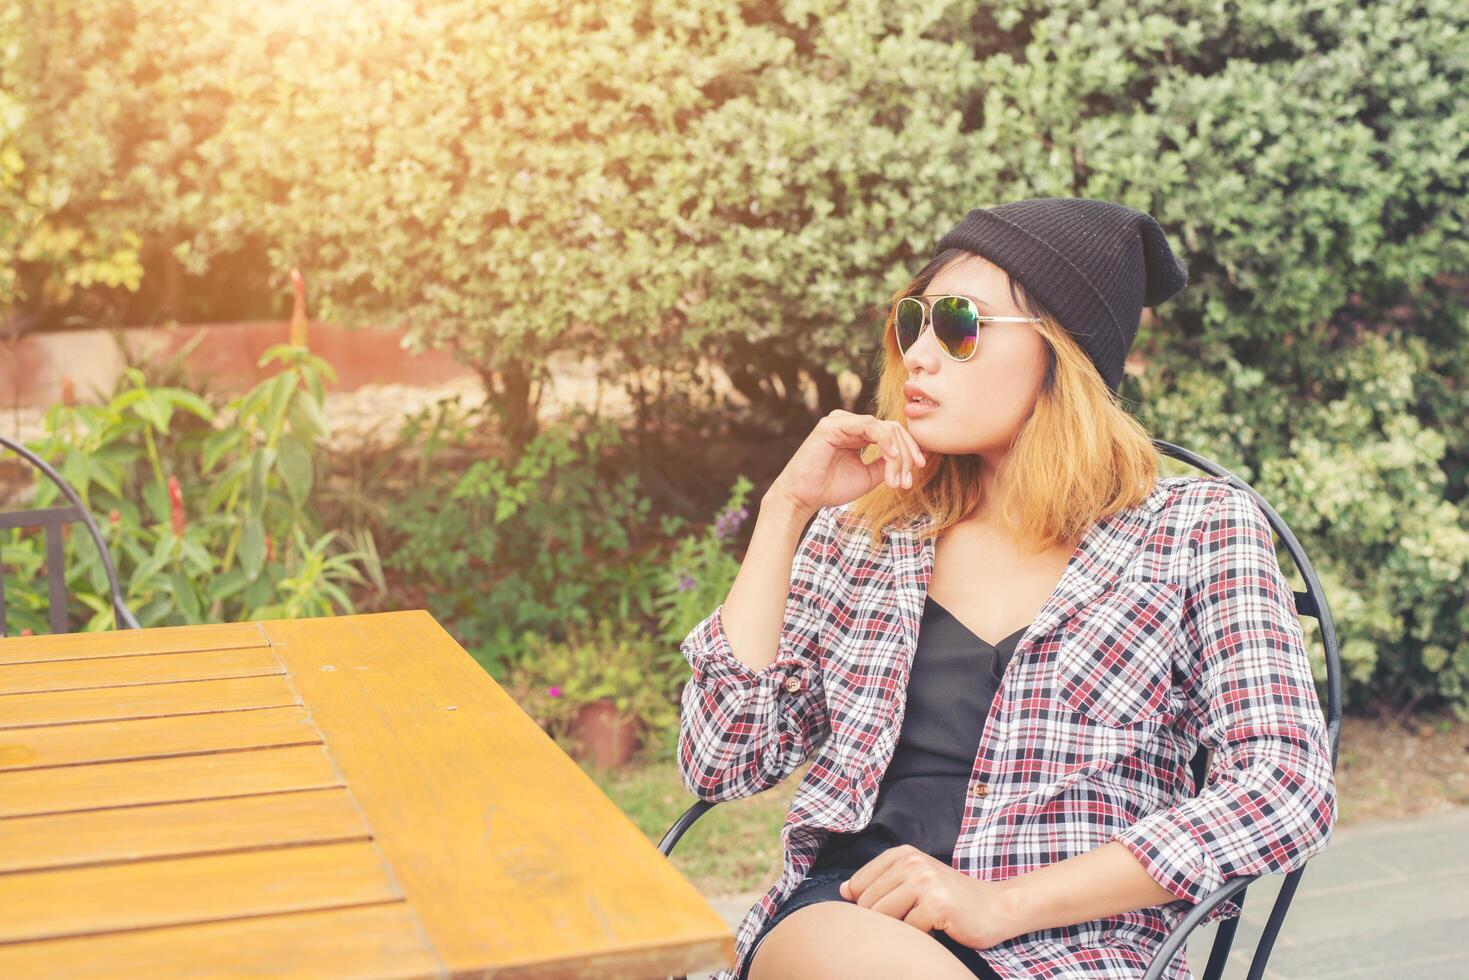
(841, 940)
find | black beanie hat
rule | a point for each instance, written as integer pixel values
(1093, 264)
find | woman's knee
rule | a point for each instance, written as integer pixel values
(845, 941)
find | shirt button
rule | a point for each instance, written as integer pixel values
(793, 683)
(980, 789)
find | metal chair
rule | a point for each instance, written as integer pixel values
(1312, 603)
(52, 519)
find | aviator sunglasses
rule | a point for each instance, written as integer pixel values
(955, 319)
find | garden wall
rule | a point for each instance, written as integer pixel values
(34, 370)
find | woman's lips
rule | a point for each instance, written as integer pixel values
(918, 409)
(916, 402)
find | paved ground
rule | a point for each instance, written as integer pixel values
(1387, 901)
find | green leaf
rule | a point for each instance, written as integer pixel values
(252, 546)
(156, 410)
(103, 475)
(185, 596)
(311, 411)
(283, 387)
(302, 421)
(258, 593)
(223, 484)
(294, 465)
(216, 444)
(77, 469)
(156, 497)
(189, 401)
(260, 465)
(227, 585)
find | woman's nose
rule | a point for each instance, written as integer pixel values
(924, 352)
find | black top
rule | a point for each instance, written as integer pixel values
(921, 798)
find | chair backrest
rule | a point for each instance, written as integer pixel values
(1311, 602)
(51, 520)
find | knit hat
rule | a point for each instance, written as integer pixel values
(1093, 264)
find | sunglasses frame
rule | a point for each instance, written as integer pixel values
(926, 303)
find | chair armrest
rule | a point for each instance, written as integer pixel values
(671, 836)
(1191, 921)
(683, 823)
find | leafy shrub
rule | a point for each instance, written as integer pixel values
(1361, 481)
(207, 511)
(547, 538)
(641, 675)
(701, 569)
(1307, 161)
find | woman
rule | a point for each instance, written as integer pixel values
(1001, 640)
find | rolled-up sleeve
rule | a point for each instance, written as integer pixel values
(1269, 800)
(741, 730)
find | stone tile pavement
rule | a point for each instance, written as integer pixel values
(1386, 901)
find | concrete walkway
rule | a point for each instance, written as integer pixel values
(1388, 901)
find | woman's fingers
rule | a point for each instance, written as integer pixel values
(917, 454)
(895, 447)
(900, 451)
(905, 446)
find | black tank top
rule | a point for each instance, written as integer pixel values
(921, 798)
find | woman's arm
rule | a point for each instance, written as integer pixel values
(749, 718)
(753, 614)
(1106, 880)
(1270, 800)
(755, 706)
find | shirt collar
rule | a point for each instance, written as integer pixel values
(1105, 551)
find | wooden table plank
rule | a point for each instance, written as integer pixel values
(174, 891)
(377, 941)
(177, 829)
(179, 639)
(110, 741)
(145, 701)
(70, 675)
(138, 782)
(478, 809)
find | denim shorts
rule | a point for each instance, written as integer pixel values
(824, 886)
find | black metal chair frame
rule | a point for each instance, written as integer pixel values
(1312, 603)
(51, 520)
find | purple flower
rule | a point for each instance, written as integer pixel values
(686, 583)
(729, 522)
(554, 691)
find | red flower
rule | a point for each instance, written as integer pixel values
(113, 517)
(176, 505)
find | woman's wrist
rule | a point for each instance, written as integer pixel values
(1017, 907)
(784, 508)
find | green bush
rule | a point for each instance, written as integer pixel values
(530, 542)
(700, 569)
(639, 674)
(675, 183)
(1360, 478)
(207, 512)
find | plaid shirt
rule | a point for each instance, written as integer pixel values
(1171, 626)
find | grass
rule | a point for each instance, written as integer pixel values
(733, 849)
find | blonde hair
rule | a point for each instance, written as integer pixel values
(1080, 456)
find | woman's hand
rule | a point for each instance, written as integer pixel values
(917, 888)
(827, 471)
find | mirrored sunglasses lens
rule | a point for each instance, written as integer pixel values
(956, 325)
(908, 322)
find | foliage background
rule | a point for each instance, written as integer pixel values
(662, 185)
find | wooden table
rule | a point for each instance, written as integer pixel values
(351, 796)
